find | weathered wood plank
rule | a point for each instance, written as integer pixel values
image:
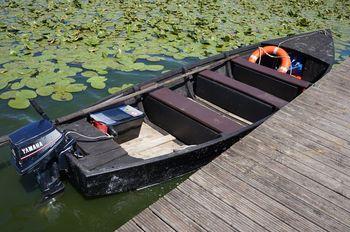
(307, 147)
(197, 212)
(319, 136)
(331, 148)
(311, 213)
(148, 221)
(288, 216)
(336, 108)
(229, 214)
(290, 174)
(230, 197)
(279, 156)
(280, 182)
(174, 217)
(330, 115)
(322, 123)
(300, 155)
(130, 226)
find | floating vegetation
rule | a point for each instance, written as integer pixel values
(45, 45)
(116, 89)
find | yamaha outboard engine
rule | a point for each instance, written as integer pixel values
(40, 148)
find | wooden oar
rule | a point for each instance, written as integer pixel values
(120, 98)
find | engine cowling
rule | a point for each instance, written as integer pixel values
(40, 148)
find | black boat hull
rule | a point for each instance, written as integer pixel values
(120, 178)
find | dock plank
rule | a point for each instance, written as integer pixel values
(202, 216)
(174, 217)
(130, 227)
(292, 173)
(309, 148)
(224, 179)
(245, 171)
(148, 221)
(231, 215)
(279, 182)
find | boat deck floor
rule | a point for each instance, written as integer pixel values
(151, 143)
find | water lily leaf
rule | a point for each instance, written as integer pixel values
(75, 88)
(113, 90)
(154, 67)
(34, 83)
(98, 84)
(8, 94)
(101, 71)
(19, 103)
(154, 58)
(138, 66)
(96, 79)
(127, 85)
(89, 74)
(17, 85)
(3, 85)
(26, 93)
(45, 90)
(62, 96)
(119, 88)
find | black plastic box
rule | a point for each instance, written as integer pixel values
(123, 121)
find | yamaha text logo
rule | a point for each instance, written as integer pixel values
(32, 147)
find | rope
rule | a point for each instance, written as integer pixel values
(89, 137)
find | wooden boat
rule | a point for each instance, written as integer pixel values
(183, 119)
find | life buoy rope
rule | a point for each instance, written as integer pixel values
(274, 52)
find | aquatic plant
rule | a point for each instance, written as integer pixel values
(45, 44)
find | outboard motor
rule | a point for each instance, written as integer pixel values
(40, 148)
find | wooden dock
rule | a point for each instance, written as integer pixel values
(292, 173)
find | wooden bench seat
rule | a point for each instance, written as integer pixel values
(236, 97)
(244, 88)
(192, 109)
(185, 119)
(269, 80)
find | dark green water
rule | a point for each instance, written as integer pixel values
(19, 210)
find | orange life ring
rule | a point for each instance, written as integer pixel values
(272, 50)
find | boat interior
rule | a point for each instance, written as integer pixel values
(223, 99)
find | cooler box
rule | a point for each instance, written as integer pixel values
(125, 121)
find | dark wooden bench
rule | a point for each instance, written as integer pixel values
(187, 120)
(269, 80)
(244, 88)
(236, 97)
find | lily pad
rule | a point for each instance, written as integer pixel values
(62, 96)
(3, 85)
(113, 90)
(154, 67)
(8, 94)
(19, 103)
(89, 74)
(17, 85)
(26, 93)
(72, 88)
(98, 84)
(116, 89)
(154, 58)
(45, 90)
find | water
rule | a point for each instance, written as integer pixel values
(20, 210)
